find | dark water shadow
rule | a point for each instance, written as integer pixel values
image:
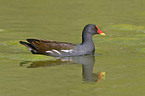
(86, 61)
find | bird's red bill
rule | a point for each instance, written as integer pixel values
(99, 31)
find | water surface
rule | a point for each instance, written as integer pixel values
(122, 49)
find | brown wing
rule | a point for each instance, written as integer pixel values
(48, 45)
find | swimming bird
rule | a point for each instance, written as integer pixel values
(64, 49)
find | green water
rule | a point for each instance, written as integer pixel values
(122, 49)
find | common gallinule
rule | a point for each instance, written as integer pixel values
(61, 49)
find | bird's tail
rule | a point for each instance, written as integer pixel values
(30, 46)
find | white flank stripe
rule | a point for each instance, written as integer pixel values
(67, 51)
(56, 51)
(49, 52)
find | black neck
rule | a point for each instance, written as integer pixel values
(87, 38)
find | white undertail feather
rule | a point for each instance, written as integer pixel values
(29, 48)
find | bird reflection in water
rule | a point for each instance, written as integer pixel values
(86, 61)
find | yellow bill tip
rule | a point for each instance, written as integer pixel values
(102, 33)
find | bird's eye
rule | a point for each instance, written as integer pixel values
(94, 27)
